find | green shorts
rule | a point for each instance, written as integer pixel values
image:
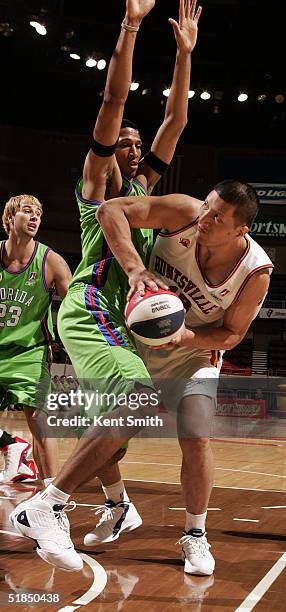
(102, 353)
(24, 376)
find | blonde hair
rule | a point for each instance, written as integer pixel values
(13, 205)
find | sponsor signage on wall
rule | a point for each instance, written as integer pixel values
(242, 408)
(272, 313)
(269, 228)
(271, 193)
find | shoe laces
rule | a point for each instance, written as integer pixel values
(194, 545)
(106, 511)
(63, 522)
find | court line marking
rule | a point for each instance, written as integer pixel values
(185, 509)
(214, 487)
(216, 468)
(262, 587)
(14, 533)
(249, 472)
(246, 520)
(99, 579)
(263, 441)
(271, 507)
(99, 583)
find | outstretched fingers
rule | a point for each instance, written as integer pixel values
(187, 8)
(181, 11)
(198, 14)
(193, 9)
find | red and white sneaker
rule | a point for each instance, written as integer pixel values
(17, 468)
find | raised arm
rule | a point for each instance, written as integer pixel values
(119, 215)
(100, 160)
(176, 113)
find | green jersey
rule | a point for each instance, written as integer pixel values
(25, 313)
(99, 273)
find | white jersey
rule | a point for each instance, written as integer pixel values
(175, 258)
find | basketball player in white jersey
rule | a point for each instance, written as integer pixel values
(221, 274)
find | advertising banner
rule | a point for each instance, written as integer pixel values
(268, 228)
(271, 193)
(249, 408)
(272, 313)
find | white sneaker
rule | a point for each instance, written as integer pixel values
(196, 554)
(49, 527)
(17, 469)
(116, 518)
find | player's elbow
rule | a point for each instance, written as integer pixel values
(231, 341)
(176, 122)
(102, 212)
(113, 100)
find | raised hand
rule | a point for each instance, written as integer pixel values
(186, 30)
(136, 10)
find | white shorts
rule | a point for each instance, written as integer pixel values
(183, 371)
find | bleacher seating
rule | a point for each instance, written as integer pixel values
(238, 360)
(277, 357)
(276, 297)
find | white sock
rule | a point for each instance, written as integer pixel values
(195, 521)
(53, 496)
(116, 492)
(48, 481)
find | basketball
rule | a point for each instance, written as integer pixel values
(155, 318)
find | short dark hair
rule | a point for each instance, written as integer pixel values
(127, 123)
(242, 196)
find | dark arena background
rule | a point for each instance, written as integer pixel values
(49, 102)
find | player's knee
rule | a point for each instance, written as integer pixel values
(194, 447)
(195, 417)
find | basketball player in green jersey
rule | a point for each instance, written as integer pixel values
(91, 319)
(128, 175)
(29, 271)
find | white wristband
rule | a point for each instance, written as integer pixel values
(129, 28)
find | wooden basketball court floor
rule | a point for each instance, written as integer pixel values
(142, 571)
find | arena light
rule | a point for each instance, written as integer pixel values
(39, 27)
(279, 98)
(166, 92)
(75, 56)
(134, 86)
(242, 97)
(191, 93)
(90, 62)
(205, 95)
(6, 29)
(101, 64)
(261, 97)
